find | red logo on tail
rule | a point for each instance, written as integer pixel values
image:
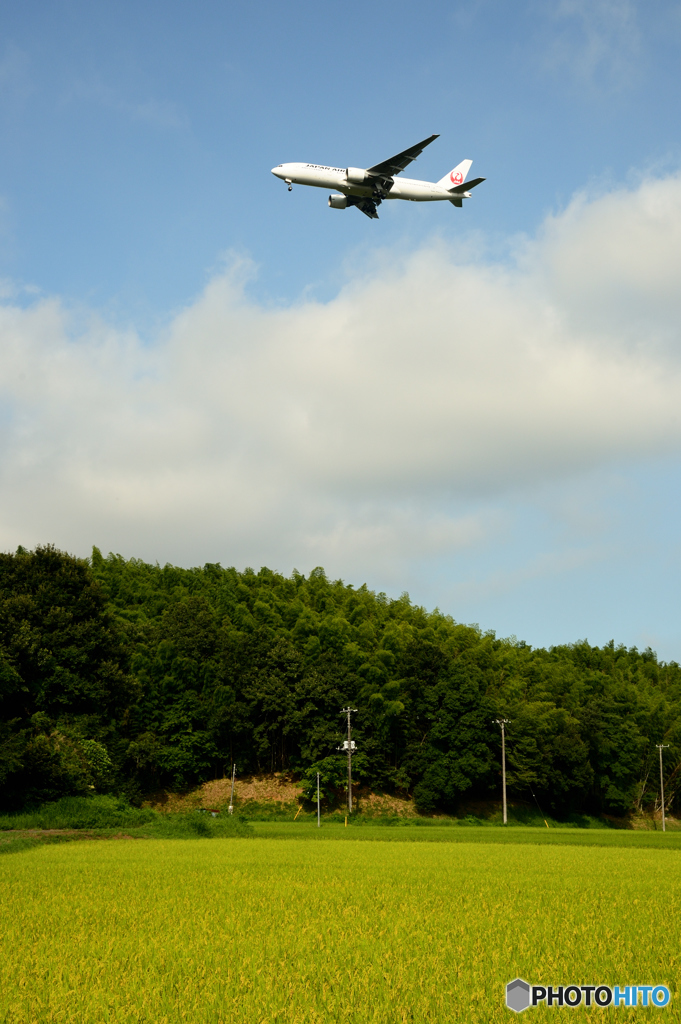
(457, 178)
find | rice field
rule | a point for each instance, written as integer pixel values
(255, 930)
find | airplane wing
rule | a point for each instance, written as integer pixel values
(397, 163)
(467, 185)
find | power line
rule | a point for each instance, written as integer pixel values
(349, 745)
(660, 747)
(503, 722)
(231, 795)
(319, 813)
(537, 803)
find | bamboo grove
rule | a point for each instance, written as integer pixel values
(120, 676)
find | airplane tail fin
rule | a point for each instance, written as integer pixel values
(457, 176)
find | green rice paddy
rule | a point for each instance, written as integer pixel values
(254, 930)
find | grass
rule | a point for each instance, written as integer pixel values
(258, 932)
(79, 812)
(103, 817)
(435, 832)
(269, 810)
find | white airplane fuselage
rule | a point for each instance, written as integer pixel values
(337, 178)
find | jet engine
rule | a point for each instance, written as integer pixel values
(356, 176)
(337, 202)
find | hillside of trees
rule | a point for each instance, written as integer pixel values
(119, 676)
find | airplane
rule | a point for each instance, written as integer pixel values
(367, 188)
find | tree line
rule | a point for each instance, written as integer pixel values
(120, 676)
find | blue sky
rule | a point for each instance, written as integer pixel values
(477, 406)
(137, 136)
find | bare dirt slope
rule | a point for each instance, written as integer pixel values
(269, 789)
(281, 792)
(277, 788)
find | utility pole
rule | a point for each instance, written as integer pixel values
(319, 813)
(231, 795)
(349, 745)
(502, 722)
(660, 747)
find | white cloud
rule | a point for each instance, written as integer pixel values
(366, 432)
(613, 264)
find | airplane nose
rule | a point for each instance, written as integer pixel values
(277, 171)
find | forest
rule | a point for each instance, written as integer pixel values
(117, 676)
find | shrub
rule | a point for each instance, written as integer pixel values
(76, 812)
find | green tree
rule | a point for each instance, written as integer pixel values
(62, 679)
